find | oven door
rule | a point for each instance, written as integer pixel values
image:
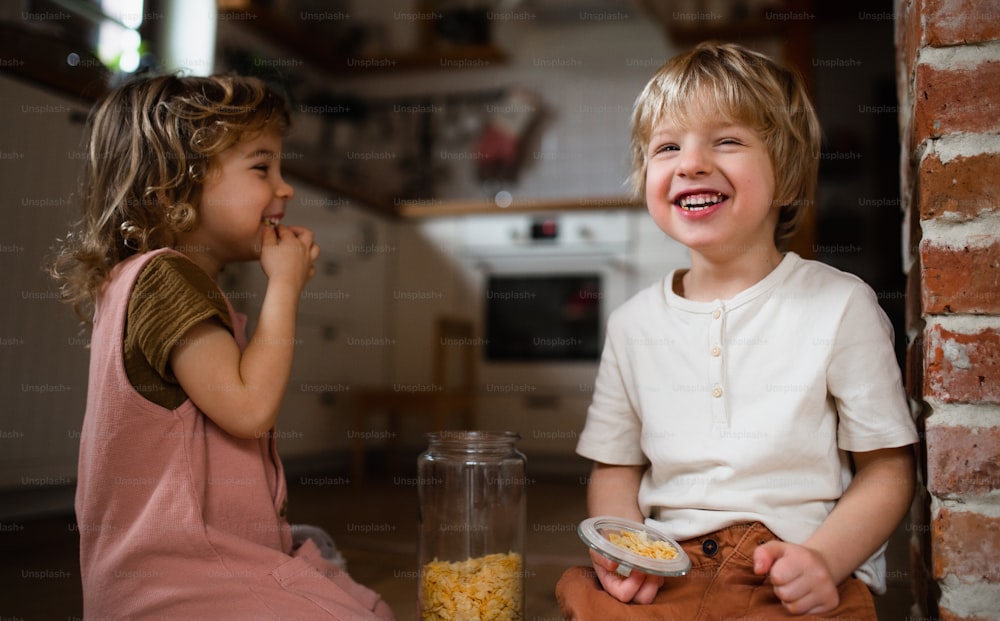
(542, 303)
(542, 319)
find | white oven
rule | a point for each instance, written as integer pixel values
(544, 285)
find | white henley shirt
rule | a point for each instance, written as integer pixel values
(745, 409)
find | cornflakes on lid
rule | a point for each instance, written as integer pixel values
(634, 546)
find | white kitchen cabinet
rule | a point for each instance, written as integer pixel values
(340, 334)
(426, 283)
(440, 267)
(549, 421)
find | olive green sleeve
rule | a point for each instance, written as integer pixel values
(170, 296)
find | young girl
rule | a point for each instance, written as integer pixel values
(181, 498)
(751, 406)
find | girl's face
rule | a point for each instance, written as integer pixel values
(243, 192)
(710, 185)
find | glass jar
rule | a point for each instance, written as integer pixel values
(472, 526)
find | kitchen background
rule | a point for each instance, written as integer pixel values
(456, 158)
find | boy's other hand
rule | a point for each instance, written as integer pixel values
(637, 588)
(800, 576)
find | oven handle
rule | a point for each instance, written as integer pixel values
(617, 263)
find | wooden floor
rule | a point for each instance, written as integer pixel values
(374, 525)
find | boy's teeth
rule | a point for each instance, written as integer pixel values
(269, 221)
(700, 201)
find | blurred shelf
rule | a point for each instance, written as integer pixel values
(48, 59)
(273, 27)
(399, 209)
(315, 51)
(430, 208)
(735, 30)
(369, 200)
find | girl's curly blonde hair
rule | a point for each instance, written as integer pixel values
(150, 144)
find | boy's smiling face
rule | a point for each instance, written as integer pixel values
(710, 185)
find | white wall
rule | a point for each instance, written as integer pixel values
(549, 412)
(341, 336)
(43, 353)
(587, 74)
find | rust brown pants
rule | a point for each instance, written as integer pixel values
(721, 586)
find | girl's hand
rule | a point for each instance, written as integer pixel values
(288, 252)
(638, 588)
(800, 576)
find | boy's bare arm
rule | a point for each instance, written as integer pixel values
(871, 508)
(805, 577)
(614, 490)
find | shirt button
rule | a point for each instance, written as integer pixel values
(709, 547)
(716, 351)
(717, 391)
(717, 313)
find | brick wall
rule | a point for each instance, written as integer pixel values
(948, 56)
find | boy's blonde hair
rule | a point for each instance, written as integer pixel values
(745, 87)
(149, 148)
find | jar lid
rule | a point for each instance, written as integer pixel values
(634, 546)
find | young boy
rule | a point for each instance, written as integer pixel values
(751, 406)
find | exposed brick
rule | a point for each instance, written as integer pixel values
(909, 38)
(947, 615)
(913, 239)
(955, 461)
(961, 280)
(962, 367)
(951, 101)
(957, 22)
(965, 544)
(962, 460)
(964, 186)
(914, 315)
(913, 379)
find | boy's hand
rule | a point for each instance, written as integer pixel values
(800, 576)
(288, 252)
(638, 588)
